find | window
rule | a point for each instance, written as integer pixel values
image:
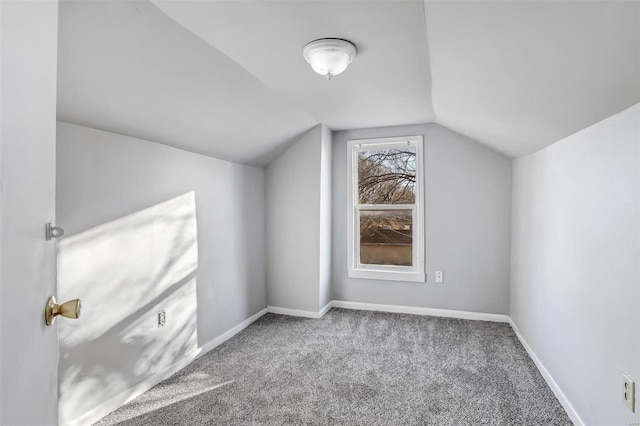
(385, 225)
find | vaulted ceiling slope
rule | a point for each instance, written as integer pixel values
(127, 68)
(227, 78)
(388, 83)
(520, 75)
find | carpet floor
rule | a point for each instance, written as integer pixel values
(355, 368)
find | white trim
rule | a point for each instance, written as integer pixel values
(112, 404)
(299, 313)
(326, 308)
(414, 273)
(566, 404)
(417, 310)
(368, 207)
(387, 275)
(139, 388)
(230, 333)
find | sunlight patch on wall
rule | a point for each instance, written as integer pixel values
(125, 272)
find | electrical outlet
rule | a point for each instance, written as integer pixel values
(629, 395)
(439, 276)
(162, 317)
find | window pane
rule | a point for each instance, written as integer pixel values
(387, 176)
(386, 237)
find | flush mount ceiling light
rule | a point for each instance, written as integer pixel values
(329, 56)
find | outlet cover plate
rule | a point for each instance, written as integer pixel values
(629, 393)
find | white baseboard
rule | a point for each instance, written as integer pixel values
(298, 312)
(229, 334)
(112, 404)
(571, 412)
(138, 389)
(416, 310)
(325, 309)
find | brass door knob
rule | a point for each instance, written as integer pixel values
(70, 309)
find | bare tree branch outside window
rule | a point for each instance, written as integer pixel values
(386, 177)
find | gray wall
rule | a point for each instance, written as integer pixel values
(28, 349)
(575, 287)
(293, 221)
(467, 225)
(125, 271)
(326, 148)
(103, 176)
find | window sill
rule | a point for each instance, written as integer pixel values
(416, 277)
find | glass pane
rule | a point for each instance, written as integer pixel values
(386, 237)
(387, 176)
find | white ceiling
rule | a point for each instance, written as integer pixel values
(519, 76)
(227, 78)
(389, 83)
(127, 68)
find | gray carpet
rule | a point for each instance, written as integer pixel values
(355, 368)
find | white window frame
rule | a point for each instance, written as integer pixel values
(414, 273)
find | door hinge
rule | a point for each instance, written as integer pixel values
(52, 231)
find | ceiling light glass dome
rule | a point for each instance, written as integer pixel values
(329, 56)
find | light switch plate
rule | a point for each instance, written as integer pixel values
(439, 276)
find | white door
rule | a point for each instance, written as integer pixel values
(28, 348)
